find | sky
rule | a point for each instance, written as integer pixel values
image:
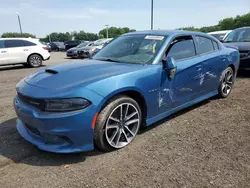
(41, 17)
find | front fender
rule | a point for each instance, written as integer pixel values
(146, 82)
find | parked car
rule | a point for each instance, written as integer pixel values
(73, 52)
(57, 46)
(90, 50)
(47, 44)
(105, 100)
(99, 49)
(71, 44)
(240, 38)
(220, 35)
(26, 51)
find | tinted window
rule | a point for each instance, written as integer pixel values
(204, 45)
(216, 46)
(2, 45)
(14, 43)
(28, 43)
(182, 49)
(239, 35)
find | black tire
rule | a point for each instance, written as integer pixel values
(35, 60)
(100, 139)
(225, 83)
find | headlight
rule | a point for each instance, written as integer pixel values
(66, 105)
(93, 49)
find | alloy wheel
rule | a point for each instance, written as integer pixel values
(122, 125)
(35, 61)
(227, 82)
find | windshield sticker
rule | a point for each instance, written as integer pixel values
(151, 37)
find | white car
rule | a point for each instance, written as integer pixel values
(27, 51)
(220, 35)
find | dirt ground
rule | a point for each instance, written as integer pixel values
(207, 145)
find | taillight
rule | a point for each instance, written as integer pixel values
(45, 48)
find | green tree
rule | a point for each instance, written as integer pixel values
(17, 35)
(225, 24)
(60, 37)
(115, 31)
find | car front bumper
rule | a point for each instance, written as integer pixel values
(65, 132)
(72, 54)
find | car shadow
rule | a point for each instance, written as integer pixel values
(16, 67)
(179, 113)
(15, 149)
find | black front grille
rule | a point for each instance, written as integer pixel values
(37, 103)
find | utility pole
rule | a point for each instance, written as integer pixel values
(49, 38)
(152, 14)
(107, 31)
(19, 21)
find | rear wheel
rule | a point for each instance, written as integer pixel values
(227, 82)
(117, 124)
(35, 60)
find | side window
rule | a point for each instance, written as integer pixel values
(2, 45)
(14, 43)
(182, 48)
(204, 45)
(216, 46)
(28, 43)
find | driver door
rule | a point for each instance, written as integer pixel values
(186, 83)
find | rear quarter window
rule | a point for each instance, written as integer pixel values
(28, 43)
(216, 46)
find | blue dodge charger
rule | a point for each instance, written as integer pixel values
(136, 80)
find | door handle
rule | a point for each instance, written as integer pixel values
(3, 51)
(25, 50)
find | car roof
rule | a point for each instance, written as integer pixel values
(220, 32)
(166, 32)
(242, 28)
(29, 39)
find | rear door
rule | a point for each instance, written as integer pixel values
(209, 51)
(17, 50)
(4, 55)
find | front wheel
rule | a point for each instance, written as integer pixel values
(117, 124)
(226, 84)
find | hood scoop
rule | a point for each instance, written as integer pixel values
(51, 71)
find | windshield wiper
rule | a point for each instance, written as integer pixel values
(108, 59)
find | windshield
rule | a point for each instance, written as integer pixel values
(218, 36)
(239, 35)
(82, 45)
(99, 42)
(132, 49)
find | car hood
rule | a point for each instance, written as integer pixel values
(78, 73)
(72, 49)
(242, 46)
(87, 48)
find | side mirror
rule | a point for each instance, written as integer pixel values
(169, 66)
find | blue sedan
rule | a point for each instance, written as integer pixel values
(136, 80)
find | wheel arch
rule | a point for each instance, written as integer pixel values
(34, 54)
(233, 67)
(132, 93)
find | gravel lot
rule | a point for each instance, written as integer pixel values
(207, 145)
